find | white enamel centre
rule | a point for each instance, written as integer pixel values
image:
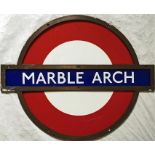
(78, 52)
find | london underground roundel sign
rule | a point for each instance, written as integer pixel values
(77, 78)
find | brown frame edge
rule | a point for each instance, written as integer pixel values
(5, 89)
(44, 28)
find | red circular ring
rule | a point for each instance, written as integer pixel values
(45, 112)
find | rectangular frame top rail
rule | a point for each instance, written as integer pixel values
(33, 66)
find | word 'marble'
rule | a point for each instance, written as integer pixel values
(66, 78)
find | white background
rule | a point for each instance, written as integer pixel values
(79, 7)
(15, 30)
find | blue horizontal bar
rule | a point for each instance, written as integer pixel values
(77, 77)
